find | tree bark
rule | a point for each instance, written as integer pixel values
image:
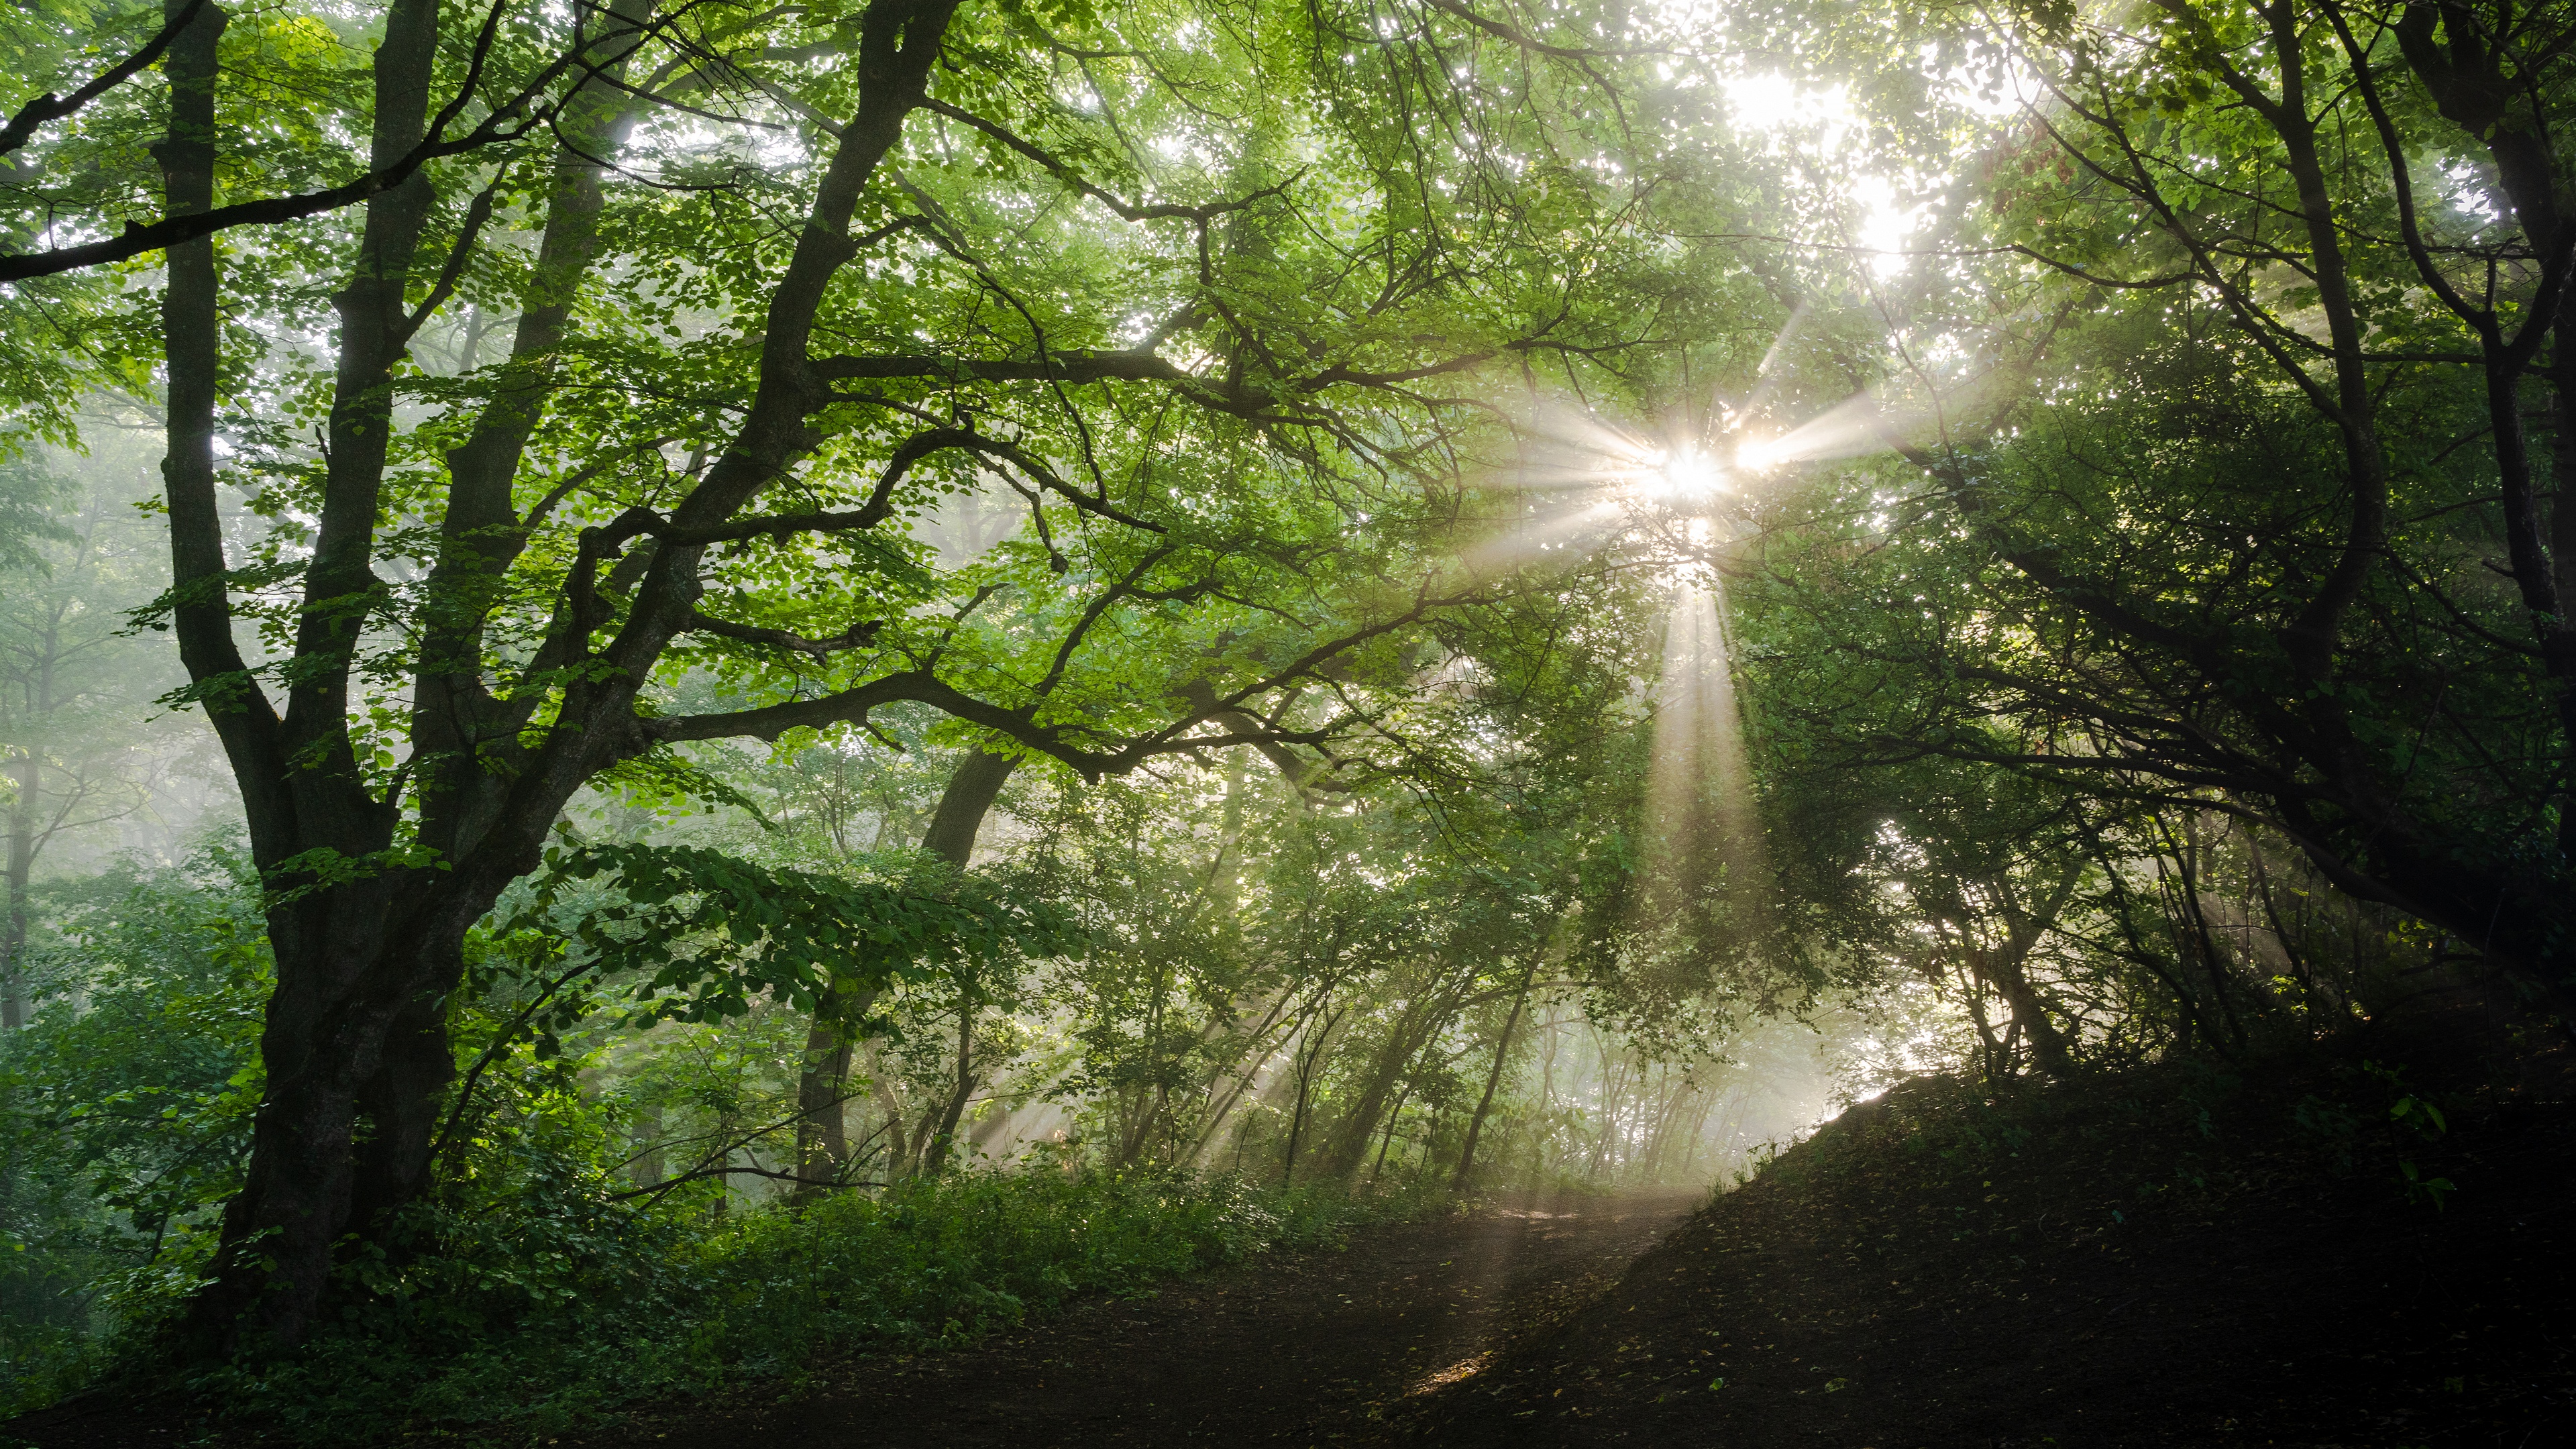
(482, 533)
(1309, 1054)
(2008, 968)
(1422, 1019)
(934, 1156)
(29, 772)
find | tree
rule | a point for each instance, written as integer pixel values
(1208, 370)
(2209, 410)
(77, 733)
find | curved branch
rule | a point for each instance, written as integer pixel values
(49, 107)
(857, 636)
(141, 237)
(1130, 210)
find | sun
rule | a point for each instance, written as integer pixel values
(1684, 476)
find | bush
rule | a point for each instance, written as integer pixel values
(124, 1109)
(535, 1321)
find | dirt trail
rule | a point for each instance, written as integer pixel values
(1302, 1349)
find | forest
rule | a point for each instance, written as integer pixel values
(1405, 721)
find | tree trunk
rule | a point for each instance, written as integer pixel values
(482, 534)
(1306, 1060)
(934, 1157)
(1347, 1146)
(972, 788)
(358, 1065)
(21, 867)
(822, 1107)
(1493, 1077)
(2004, 967)
(1394, 1115)
(899, 1147)
(650, 1164)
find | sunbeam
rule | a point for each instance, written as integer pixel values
(1705, 843)
(1543, 535)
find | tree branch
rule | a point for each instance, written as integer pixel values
(48, 107)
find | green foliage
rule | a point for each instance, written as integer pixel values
(124, 1108)
(708, 932)
(543, 1318)
(1206, 415)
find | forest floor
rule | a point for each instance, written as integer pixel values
(1303, 1348)
(2176, 1255)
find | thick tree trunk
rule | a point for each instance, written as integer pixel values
(358, 1064)
(972, 789)
(355, 1043)
(357, 1057)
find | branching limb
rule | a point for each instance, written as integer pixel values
(1130, 210)
(508, 120)
(49, 107)
(478, 213)
(857, 636)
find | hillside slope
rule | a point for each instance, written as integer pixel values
(2174, 1256)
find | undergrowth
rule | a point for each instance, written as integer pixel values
(2186, 1129)
(543, 1319)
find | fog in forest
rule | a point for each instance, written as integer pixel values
(689, 693)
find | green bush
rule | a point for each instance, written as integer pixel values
(535, 1320)
(536, 1286)
(124, 1109)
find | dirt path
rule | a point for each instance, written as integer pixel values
(1306, 1349)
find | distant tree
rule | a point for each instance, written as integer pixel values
(78, 739)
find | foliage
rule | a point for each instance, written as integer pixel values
(707, 932)
(1499, 641)
(125, 1104)
(566, 1310)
